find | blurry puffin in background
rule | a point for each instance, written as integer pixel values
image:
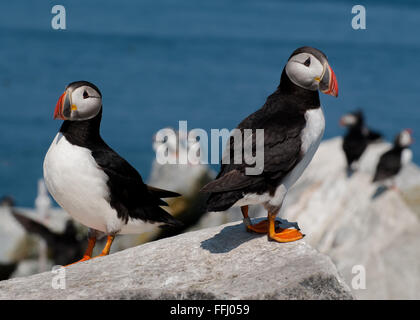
(169, 142)
(91, 181)
(293, 124)
(392, 161)
(357, 137)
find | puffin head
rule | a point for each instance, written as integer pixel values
(167, 136)
(308, 68)
(404, 139)
(81, 100)
(352, 119)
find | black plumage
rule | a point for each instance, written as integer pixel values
(373, 136)
(128, 194)
(389, 164)
(358, 138)
(283, 118)
(354, 144)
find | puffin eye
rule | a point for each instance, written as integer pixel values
(85, 95)
(307, 62)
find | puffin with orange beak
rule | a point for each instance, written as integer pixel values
(357, 138)
(293, 124)
(96, 186)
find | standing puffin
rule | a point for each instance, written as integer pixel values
(391, 162)
(357, 137)
(293, 124)
(91, 181)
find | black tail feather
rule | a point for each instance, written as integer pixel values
(167, 219)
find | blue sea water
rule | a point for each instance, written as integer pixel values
(209, 62)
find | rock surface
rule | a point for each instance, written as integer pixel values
(223, 262)
(342, 219)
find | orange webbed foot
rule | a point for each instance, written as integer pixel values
(263, 226)
(285, 235)
(280, 234)
(260, 227)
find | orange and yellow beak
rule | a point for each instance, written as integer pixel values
(59, 108)
(328, 84)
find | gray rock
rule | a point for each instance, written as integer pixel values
(223, 262)
(29, 267)
(342, 218)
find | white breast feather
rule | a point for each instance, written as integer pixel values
(406, 157)
(80, 187)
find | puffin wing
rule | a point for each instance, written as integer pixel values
(129, 195)
(389, 164)
(282, 148)
(232, 180)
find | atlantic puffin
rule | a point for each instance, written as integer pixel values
(357, 137)
(293, 123)
(92, 183)
(392, 161)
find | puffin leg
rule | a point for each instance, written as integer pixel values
(260, 227)
(394, 186)
(88, 252)
(280, 234)
(107, 248)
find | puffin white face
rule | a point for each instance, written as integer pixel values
(172, 142)
(404, 138)
(308, 68)
(81, 101)
(166, 137)
(305, 71)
